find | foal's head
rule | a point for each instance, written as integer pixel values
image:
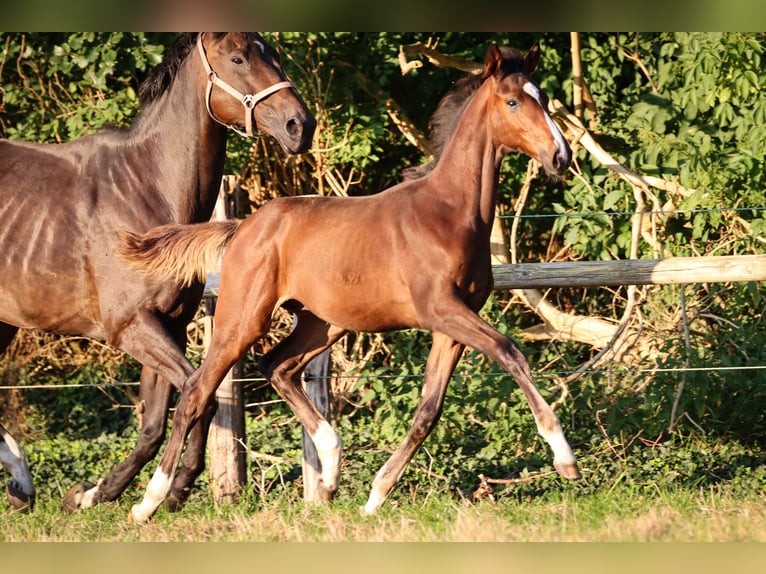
(518, 109)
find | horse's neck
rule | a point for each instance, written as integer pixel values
(187, 149)
(469, 166)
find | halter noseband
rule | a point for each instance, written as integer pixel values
(249, 101)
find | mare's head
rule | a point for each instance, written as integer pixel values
(247, 89)
(519, 109)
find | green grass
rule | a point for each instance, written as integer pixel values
(684, 486)
(620, 514)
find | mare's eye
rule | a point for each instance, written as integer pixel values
(237, 60)
(513, 104)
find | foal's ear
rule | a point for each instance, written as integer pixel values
(532, 58)
(493, 61)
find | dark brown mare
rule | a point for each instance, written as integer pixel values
(414, 256)
(63, 208)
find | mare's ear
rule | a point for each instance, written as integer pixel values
(532, 58)
(493, 60)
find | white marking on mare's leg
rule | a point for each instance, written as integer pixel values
(156, 491)
(89, 496)
(328, 445)
(13, 459)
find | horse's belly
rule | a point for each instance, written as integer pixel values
(30, 306)
(359, 309)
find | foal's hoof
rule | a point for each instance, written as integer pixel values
(567, 470)
(19, 500)
(73, 499)
(176, 499)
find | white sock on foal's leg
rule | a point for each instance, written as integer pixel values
(156, 492)
(328, 445)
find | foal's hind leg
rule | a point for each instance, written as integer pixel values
(283, 366)
(444, 355)
(239, 324)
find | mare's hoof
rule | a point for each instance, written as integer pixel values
(73, 499)
(324, 494)
(567, 470)
(17, 498)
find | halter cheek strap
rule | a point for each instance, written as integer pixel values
(249, 101)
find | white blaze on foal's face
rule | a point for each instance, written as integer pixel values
(534, 91)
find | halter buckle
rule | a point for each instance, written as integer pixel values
(248, 101)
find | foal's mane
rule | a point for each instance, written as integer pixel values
(445, 118)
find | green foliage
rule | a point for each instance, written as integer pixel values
(694, 116)
(60, 86)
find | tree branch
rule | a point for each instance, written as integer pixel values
(429, 51)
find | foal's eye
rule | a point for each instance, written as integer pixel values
(513, 104)
(236, 60)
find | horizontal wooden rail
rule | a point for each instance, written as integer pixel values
(712, 269)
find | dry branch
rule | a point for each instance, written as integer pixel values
(408, 128)
(438, 59)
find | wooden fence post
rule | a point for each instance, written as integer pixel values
(228, 468)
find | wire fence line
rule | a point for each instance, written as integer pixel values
(498, 374)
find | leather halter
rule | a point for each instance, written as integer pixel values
(249, 101)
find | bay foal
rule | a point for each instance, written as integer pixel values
(413, 256)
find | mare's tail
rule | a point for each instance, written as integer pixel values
(176, 252)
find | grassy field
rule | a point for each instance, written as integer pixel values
(619, 515)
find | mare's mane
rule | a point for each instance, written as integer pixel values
(445, 118)
(164, 74)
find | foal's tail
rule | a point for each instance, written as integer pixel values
(177, 252)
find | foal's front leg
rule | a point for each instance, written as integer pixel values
(467, 327)
(195, 399)
(444, 355)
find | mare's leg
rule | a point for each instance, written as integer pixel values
(458, 321)
(283, 366)
(193, 461)
(444, 355)
(20, 491)
(7, 333)
(154, 400)
(149, 340)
